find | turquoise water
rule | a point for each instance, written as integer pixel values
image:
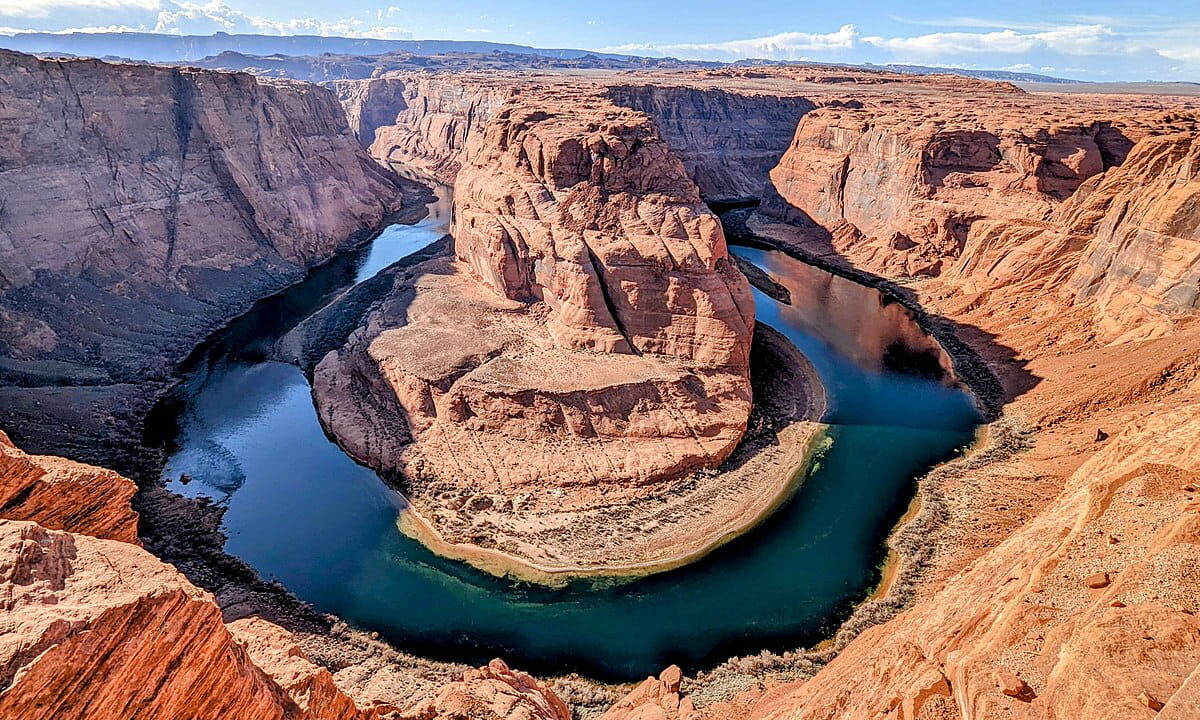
(300, 511)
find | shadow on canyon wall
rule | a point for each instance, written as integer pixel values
(995, 372)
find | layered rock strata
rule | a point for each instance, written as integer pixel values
(141, 168)
(63, 495)
(728, 141)
(898, 188)
(1062, 581)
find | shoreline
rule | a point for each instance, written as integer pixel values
(501, 564)
(766, 468)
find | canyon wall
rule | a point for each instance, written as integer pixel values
(1141, 267)
(1063, 579)
(727, 141)
(141, 207)
(895, 187)
(421, 121)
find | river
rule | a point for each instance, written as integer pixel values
(300, 511)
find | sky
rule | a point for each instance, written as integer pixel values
(1092, 40)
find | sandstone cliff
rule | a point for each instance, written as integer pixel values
(140, 170)
(421, 121)
(727, 141)
(897, 188)
(97, 628)
(64, 495)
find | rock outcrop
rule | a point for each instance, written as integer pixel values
(97, 628)
(63, 495)
(492, 692)
(101, 629)
(589, 343)
(897, 187)
(1063, 579)
(1141, 266)
(141, 168)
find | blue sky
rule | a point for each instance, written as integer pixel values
(1095, 40)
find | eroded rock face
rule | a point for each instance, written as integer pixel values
(1142, 265)
(1022, 633)
(63, 495)
(590, 213)
(423, 121)
(492, 692)
(1064, 578)
(142, 168)
(898, 187)
(727, 141)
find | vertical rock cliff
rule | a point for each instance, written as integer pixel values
(728, 141)
(897, 186)
(140, 207)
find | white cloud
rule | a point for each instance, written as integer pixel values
(192, 18)
(783, 46)
(195, 19)
(43, 8)
(1069, 40)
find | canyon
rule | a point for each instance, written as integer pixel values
(1048, 242)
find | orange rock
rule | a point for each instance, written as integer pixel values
(1097, 580)
(1149, 701)
(1009, 683)
(64, 495)
(493, 692)
(671, 678)
(102, 630)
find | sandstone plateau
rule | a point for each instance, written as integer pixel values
(1052, 572)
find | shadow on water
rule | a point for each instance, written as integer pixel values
(299, 510)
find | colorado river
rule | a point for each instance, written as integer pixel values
(300, 511)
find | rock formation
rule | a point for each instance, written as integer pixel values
(492, 692)
(97, 628)
(591, 339)
(141, 169)
(1063, 579)
(897, 188)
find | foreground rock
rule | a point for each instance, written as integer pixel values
(141, 169)
(64, 495)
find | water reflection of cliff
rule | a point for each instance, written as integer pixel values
(858, 321)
